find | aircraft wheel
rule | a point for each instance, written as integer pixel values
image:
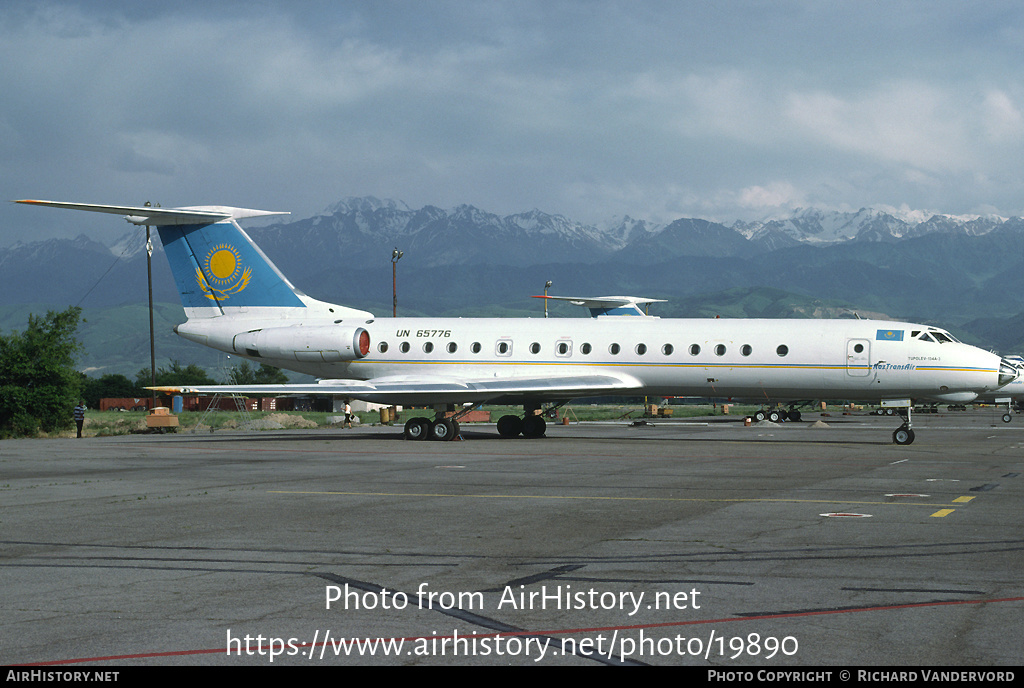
(775, 416)
(534, 426)
(795, 416)
(442, 430)
(760, 416)
(510, 426)
(903, 436)
(1007, 417)
(417, 429)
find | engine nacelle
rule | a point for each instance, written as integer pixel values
(322, 343)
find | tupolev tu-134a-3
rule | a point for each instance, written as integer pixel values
(238, 302)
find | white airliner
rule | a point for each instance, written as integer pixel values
(237, 301)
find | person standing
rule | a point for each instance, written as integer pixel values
(348, 414)
(80, 416)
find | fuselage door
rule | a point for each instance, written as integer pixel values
(858, 357)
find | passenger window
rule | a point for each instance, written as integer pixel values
(667, 349)
(694, 349)
(452, 347)
(563, 348)
(641, 349)
(404, 347)
(585, 349)
(535, 348)
(428, 347)
(746, 350)
(782, 350)
(475, 347)
(613, 349)
(720, 350)
(503, 347)
(382, 347)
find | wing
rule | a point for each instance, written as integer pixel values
(427, 390)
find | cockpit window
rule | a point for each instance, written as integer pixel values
(941, 337)
(925, 337)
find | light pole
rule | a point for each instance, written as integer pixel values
(395, 255)
(547, 286)
(152, 335)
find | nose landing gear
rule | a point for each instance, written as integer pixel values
(905, 433)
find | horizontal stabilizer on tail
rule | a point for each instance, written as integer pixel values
(162, 217)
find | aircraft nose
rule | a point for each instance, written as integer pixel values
(1008, 372)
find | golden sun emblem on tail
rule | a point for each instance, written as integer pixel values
(221, 273)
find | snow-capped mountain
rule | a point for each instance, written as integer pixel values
(358, 229)
(814, 226)
(365, 230)
(469, 246)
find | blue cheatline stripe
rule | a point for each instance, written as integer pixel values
(217, 265)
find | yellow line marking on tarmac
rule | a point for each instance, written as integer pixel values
(963, 499)
(594, 497)
(942, 512)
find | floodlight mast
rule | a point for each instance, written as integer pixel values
(395, 256)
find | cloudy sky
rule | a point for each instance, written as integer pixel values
(592, 109)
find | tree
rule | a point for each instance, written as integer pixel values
(39, 385)
(109, 386)
(243, 374)
(175, 376)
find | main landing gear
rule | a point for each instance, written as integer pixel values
(531, 425)
(777, 415)
(443, 429)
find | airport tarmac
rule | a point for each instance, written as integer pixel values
(689, 543)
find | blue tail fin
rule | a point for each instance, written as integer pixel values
(218, 266)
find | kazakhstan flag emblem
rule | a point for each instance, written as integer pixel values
(222, 274)
(889, 336)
